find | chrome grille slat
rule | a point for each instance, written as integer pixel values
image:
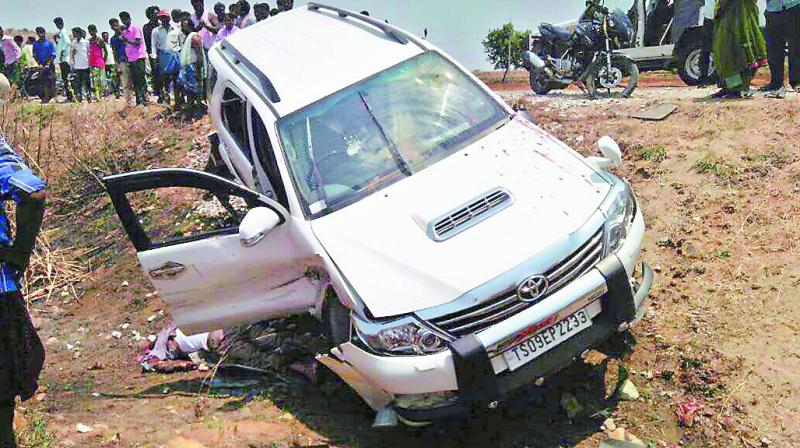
(510, 300)
(469, 214)
(483, 323)
(574, 258)
(591, 258)
(478, 317)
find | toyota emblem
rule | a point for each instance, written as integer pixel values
(533, 289)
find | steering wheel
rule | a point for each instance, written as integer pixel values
(327, 156)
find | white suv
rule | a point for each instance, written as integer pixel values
(454, 250)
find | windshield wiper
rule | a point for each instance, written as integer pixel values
(401, 164)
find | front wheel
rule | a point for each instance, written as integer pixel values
(539, 83)
(618, 81)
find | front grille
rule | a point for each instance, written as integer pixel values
(470, 214)
(481, 316)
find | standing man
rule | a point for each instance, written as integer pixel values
(166, 47)
(45, 53)
(118, 48)
(783, 28)
(12, 54)
(136, 52)
(111, 66)
(203, 23)
(147, 32)
(63, 47)
(228, 27)
(285, 5)
(21, 351)
(245, 18)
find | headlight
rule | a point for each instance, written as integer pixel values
(405, 336)
(619, 216)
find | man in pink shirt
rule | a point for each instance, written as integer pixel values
(204, 23)
(12, 53)
(136, 52)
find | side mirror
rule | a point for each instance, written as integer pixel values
(612, 154)
(256, 225)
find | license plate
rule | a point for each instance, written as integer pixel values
(543, 341)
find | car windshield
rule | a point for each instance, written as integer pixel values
(383, 129)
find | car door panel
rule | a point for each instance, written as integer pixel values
(212, 280)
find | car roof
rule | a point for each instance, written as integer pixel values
(307, 54)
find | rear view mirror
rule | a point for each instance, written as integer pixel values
(612, 154)
(256, 225)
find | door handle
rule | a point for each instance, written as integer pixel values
(169, 269)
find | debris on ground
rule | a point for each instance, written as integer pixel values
(628, 391)
(621, 438)
(657, 112)
(83, 429)
(687, 411)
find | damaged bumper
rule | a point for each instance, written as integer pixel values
(477, 370)
(474, 371)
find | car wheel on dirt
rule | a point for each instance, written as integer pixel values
(689, 64)
(619, 81)
(539, 83)
(336, 318)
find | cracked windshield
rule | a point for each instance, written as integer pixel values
(382, 129)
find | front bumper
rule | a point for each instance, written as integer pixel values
(478, 383)
(478, 372)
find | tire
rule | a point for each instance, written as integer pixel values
(336, 318)
(539, 83)
(626, 67)
(688, 64)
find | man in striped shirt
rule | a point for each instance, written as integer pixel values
(21, 351)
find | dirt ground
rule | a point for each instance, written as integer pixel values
(718, 184)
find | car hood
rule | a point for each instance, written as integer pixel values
(382, 245)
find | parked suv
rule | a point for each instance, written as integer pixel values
(453, 250)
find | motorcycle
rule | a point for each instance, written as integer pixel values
(558, 57)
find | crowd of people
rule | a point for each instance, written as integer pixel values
(739, 47)
(165, 57)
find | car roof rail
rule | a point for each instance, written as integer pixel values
(247, 68)
(391, 31)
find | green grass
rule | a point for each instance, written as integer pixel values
(715, 166)
(655, 154)
(35, 434)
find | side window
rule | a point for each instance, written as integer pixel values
(174, 215)
(234, 115)
(266, 157)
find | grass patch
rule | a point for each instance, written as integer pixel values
(654, 154)
(35, 434)
(718, 167)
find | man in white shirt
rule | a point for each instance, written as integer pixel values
(245, 17)
(166, 44)
(63, 46)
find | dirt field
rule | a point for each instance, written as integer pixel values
(717, 181)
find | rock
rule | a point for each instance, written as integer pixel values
(628, 391)
(570, 404)
(152, 318)
(765, 442)
(51, 341)
(125, 284)
(609, 425)
(116, 334)
(83, 429)
(152, 338)
(125, 326)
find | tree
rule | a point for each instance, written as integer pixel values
(505, 41)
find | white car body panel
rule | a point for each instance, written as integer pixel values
(380, 242)
(227, 284)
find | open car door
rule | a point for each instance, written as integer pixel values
(218, 253)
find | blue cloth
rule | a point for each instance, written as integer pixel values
(119, 49)
(781, 5)
(16, 179)
(169, 61)
(43, 51)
